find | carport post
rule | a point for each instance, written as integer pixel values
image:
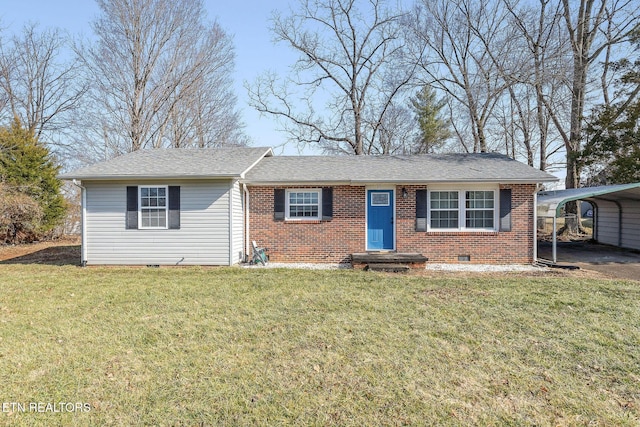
(553, 246)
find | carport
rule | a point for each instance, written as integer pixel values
(616, 216)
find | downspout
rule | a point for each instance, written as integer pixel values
(231, 193)
(83, 220)
(535, 224)
(247, 242)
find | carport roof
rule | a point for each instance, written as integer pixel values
(552, 201)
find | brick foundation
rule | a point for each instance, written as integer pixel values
(334, 241)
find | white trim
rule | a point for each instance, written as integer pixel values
(535, 224)
(462, 209)
(165, 207)
(366, 214)
(83, 222)
(386, 202)
(269, 151)
(302, 190)
(246, 230)
(230, 193)
(398, 182)
(83, 243)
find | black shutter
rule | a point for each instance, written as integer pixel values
(327, 203)
(132, 208)
(505, 209)
(421, 210)
(174, 208)
(278, 204)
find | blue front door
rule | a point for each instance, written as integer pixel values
(379, 220)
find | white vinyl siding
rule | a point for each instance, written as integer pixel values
(203, 237)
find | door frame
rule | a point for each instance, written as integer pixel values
(367, 188)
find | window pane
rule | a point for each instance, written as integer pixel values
(153, 213)
(303, 204)
(380, 199)
(444, 209)
(480, 219)
(444, 219)
(479, 209)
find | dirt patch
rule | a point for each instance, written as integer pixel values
(65, 251)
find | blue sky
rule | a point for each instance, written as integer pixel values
(246, 20)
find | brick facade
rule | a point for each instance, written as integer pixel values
(334, 241)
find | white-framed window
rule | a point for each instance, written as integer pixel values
(480, 209)
(462, 209)
(303, 204)
(153, 206)
(443, 207)
(380, 199)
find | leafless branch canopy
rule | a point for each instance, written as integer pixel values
(161, 77)
(36, 85)
(351, 67)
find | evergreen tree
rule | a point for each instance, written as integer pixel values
(612, 152)
(27, 167)
(434, 131)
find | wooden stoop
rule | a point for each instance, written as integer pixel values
(388, 261)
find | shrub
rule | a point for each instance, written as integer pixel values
(29, 173)
(20, 216)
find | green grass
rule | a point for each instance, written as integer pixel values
(282, 347)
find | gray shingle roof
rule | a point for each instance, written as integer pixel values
(175, 163)
(485, 167)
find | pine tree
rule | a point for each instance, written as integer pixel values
(434, 131)
(27, 167)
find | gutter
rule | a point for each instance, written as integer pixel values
(147, 177)
(359, 183)
(83, 228)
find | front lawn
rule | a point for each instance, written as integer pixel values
(229, 346)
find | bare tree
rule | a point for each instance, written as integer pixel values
(161, 77)
(351, 64)
(36, 84)
(461, 36)
(586, 24)
(541, 79)
(397, 133)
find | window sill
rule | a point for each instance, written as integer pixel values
(302, 221)
(463, 233)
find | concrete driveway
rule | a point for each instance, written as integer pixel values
(610, 260)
